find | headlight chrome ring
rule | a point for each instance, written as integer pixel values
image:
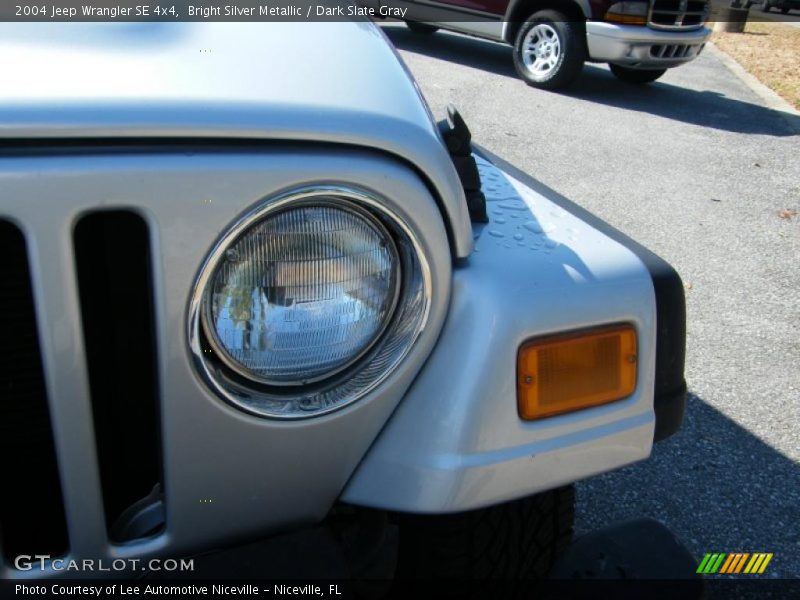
(405, 304)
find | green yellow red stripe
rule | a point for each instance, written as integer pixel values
(740, 564)
(730, 563)
(765, 563)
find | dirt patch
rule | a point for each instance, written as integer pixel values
(770, 52)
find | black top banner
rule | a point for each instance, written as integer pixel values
(236, 11)
(271, 10)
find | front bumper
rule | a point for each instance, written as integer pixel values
(642, 47)
(669, 393)
(542, 265)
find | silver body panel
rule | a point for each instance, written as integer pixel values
(491, 30)
(260, 475)
(630, 45)
(441, 433)
(456, 442)
(198, 80)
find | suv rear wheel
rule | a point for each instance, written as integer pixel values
(549, 50)
(517, 540)
(636, 75)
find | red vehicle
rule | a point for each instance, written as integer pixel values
(640, 39)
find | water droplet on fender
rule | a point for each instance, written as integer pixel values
(537, 227)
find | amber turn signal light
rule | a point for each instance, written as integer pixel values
(626, 19)
(569, 372)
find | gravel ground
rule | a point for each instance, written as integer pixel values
(696, 168)
(771, 52)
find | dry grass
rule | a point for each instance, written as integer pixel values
(771, 52)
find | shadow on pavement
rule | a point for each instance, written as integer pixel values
(706, 108)
(596, 84)
(716, 486)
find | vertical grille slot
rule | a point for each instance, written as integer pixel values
(112, 254)
(678, 14)
(672, 50)
(32, 517)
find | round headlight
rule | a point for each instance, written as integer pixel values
(303, 294)
(309, 301)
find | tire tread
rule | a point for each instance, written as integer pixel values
(516, 540)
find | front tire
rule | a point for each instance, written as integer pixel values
(640, 76)
(518, 540)
(422, 28)
(767, 6)
(549, 50)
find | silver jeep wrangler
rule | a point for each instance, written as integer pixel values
(252, 293)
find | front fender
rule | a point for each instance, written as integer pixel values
(456, 442)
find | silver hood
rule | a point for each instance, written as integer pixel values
(326, 82)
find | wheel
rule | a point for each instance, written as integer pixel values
(766, 6)
(423, 28)
(636, 75)
(785, 11)
(516, 540)
(549, 50)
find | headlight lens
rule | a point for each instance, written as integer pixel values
(303, 294)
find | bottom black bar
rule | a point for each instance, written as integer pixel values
(391, 590)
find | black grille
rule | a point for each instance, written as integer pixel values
(32, 517)
(678, 14)
(112, 255)
(672, 50)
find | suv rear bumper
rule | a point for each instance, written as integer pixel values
(642, 47)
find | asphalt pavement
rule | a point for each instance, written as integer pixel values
(697, 168)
